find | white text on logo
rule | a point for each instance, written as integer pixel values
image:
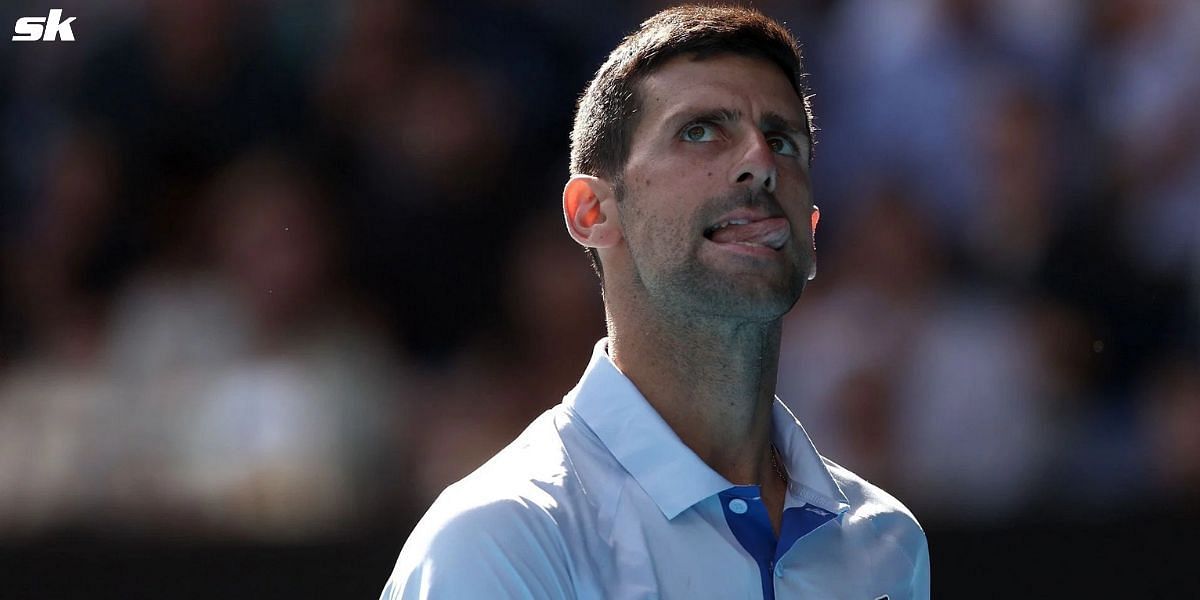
(30, 29)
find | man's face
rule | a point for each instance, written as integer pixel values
(716, 200)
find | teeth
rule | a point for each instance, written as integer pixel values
(728, 223)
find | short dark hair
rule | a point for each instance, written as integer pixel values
(608, 111)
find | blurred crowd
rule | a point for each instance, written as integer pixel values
(283, 270)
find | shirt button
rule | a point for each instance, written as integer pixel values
(738, 506)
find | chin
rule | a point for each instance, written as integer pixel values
(774, 305)
(720, 288)
(754, 300)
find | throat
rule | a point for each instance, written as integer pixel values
(711, 381)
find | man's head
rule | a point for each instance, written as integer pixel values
(608, 109)
(698, 118)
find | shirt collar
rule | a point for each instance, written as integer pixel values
(670, 473)
(809, 480)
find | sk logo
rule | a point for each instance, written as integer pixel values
(30, 29)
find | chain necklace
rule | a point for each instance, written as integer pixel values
(775, 465)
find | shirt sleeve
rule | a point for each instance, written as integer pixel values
(920, 579)
(502, 549)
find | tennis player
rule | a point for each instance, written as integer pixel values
(671, 470)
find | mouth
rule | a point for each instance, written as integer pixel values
(763, 232)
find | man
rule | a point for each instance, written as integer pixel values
(671, 470)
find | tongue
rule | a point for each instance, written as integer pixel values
(767, 232)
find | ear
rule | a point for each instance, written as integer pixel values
(589, 207)
(815, 218)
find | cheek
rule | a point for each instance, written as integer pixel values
(667, 212)
(665, 200)
(656, 227)
(677, 169)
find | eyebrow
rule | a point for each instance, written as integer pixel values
(776, 122)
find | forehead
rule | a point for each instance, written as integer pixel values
(732, 81)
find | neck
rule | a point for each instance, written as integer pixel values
(712, 380)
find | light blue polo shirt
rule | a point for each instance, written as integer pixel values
(598, 498)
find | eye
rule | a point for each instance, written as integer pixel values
(699, 132)
(782, 144)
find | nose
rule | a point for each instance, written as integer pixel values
(756, 166)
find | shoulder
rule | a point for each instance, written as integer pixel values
(889, 521)
(867, 498)
(496, 533)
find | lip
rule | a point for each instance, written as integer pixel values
(747, 249)
(749, 216)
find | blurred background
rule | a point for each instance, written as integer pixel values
(274, 273)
